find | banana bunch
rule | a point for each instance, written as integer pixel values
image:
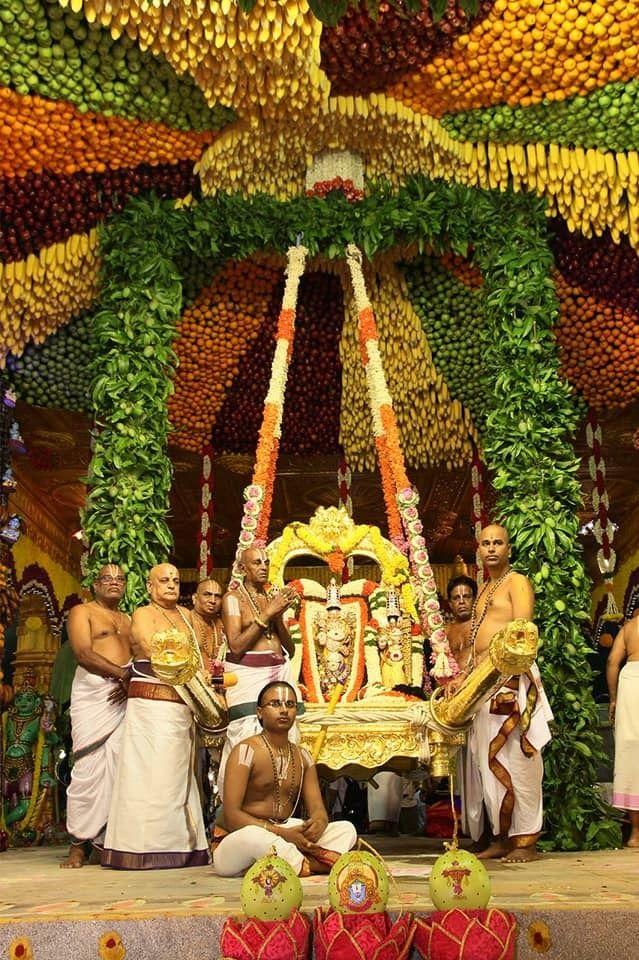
(271, 154)
(434, 429)
(246, 61)
(40, 293)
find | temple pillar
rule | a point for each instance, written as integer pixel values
(37, 644)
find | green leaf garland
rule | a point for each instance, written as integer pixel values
(531, 414)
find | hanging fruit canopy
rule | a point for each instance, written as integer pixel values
(104, 102)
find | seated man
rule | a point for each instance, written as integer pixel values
(266, 776)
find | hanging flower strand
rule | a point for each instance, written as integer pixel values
(205, 558)
(402, 501)
(603, 530)
(258, 496)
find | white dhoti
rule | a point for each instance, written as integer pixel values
(155, 818)
(470, 789)
(238, 850)
(384, 803)
(508, 734)
(625, 791)
(253, 671)
(96, 728)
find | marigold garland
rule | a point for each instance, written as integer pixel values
(270, 432)
(385, 425)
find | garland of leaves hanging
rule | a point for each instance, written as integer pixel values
(527, 447)
(133, 368)
(526, 440)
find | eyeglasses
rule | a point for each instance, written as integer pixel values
(278, 704)
(108, 579)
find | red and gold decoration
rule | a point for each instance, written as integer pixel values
(342, 936)
(479, 515)
(253, 939)
(459, 879)
(459, 934)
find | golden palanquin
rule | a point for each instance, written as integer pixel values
(356, 642)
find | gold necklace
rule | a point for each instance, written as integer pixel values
(475, 623)
(257, 612)
(186, 623)
(119, 617)
(210, 645)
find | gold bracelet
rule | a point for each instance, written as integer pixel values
(260, 623)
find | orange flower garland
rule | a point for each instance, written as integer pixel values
(258, 495)
(399, 496)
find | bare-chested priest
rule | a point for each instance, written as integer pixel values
(100, 637)
(267, 776)
(155, 818)
(259, 647)
(510, 730)
(207, 620)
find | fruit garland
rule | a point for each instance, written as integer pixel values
(57, 54)
(39, 294)
(604, 118)
(365, 52)
(214, 335)
(451, 315)
(205, 559)
(605, 269)
(522, 53)
(599, 347)
(69, 141)
(258, 496)
(44, 208)
(57, 373)
(433, 427)
(402, 501)
(268, 57)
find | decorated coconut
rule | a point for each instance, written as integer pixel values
(358, 883)
(459, 879)
(270, 890)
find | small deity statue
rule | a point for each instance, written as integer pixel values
(334, 634)
(22, 729)
(391, 641)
